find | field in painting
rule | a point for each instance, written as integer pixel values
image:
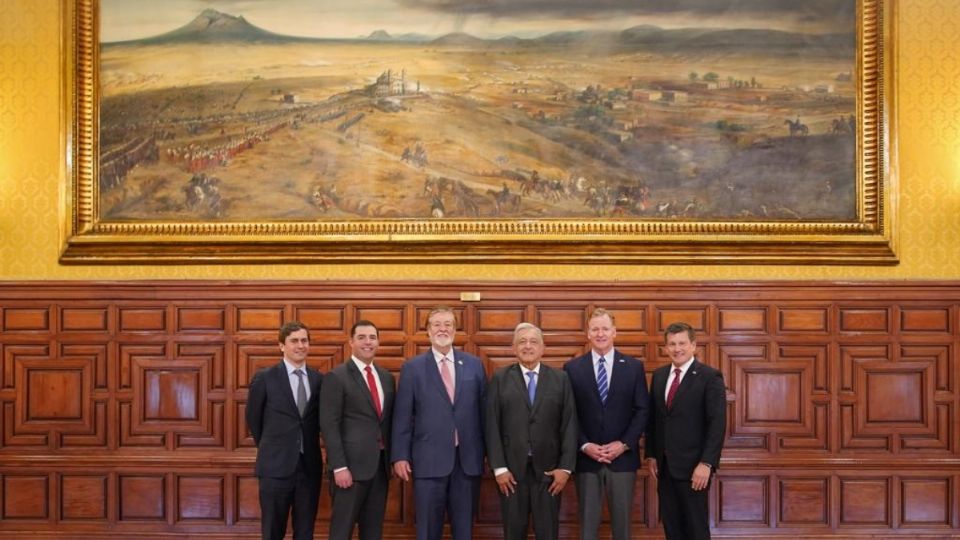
(464, 128)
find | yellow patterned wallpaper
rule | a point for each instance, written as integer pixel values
(929, 113)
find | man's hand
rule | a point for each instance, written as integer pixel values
(343, 479)
(701, 477)
(612, 450)
(506, 483)
(652, 466)
(402, 469)
(560, 478)
(595, 452)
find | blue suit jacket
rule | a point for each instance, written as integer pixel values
(424, 420)
(623, 418)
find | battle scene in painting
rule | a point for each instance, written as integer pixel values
(522, 110)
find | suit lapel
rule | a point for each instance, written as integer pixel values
(387, 391)
(544, 383)
(433, 374)
(616, 368)
(590, 375)
(688, 380)
(361, 381)
(520, 385)
(457, 376)
(283, 379)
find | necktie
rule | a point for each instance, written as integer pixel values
(602, 380)
(446, 376)
(448, 382)
(674, 386)
(372, 385)
(301, 392)
(532, 387)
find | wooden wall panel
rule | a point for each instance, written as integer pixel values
(122, 404)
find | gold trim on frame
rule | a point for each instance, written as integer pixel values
(868, 240)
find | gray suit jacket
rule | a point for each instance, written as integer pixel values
(548, 428)
(351, 430)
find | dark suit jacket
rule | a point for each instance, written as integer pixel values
(276, 425)
(692, 431)
(352, 432)
(624, 418)
(514, 427)
(424, 419)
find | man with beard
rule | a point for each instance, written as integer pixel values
(438, 431)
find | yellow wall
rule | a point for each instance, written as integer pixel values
(929, 112)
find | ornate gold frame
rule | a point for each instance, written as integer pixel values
(867, 240)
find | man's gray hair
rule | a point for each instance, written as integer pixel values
(526, 326)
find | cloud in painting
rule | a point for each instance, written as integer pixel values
(842, 11)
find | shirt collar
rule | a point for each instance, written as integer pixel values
(524, 370)
(606, 358)
(360, 365)
(291, 368)
(437, 355)
(684, 367)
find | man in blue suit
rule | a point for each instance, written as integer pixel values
(438, 431)
(610, 391)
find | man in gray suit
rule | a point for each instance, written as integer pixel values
(355, 417)
(531, 432)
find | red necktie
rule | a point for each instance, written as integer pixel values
(372, 384)
(674, 386)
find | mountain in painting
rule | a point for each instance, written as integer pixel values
(212, 26)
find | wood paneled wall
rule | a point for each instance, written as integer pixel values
(122, 403)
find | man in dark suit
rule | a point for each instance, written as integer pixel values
(282, 417)
(531, 427)
(612, 403)
(356, 407)
(685, 435)
(438, 431)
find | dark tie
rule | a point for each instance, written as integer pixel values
(674, 386)
(532, 387)
(301, 392)
(602, 380)
(372, 385)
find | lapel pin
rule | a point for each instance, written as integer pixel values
(694, 372)
(621, 360)
(460, 362)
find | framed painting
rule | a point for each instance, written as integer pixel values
(699, 131)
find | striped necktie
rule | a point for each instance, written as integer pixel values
(602, 380)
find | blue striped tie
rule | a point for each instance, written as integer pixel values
(532, 387)
(602, 380)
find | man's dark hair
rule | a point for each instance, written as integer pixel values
(291, 327)
(677, 327)
(362, 322)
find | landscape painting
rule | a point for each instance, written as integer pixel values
(676, 131)
(438, 109)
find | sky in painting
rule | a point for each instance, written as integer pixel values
(133, 19)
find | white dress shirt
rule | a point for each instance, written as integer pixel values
(376, 377)
(683, 371)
